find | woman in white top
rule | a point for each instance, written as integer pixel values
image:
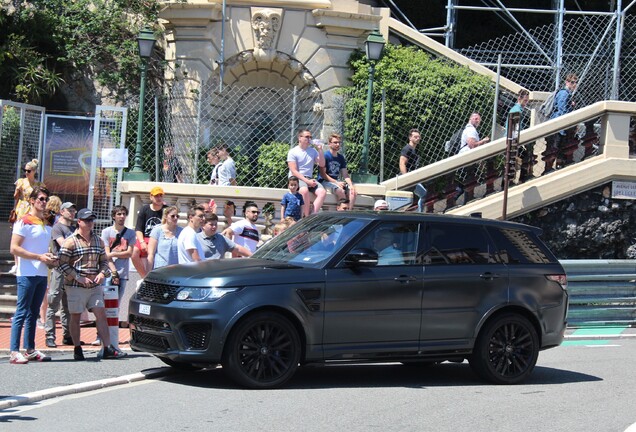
(162, 245)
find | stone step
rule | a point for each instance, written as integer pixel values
(6, 312)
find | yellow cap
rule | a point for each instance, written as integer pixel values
(156, 191)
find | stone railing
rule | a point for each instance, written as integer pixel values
(183, 195)
(595, 150)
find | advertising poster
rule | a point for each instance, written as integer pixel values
(68, 143)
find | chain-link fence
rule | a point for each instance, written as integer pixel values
(420, 104)
(20, 134)
(588, 50)
(103, 191)
(259, 122)
(259, 125)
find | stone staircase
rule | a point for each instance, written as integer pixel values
(8, 287)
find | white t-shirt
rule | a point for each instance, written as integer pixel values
(245, 234)
(304, 159)
(36, 240)
(469, 132)
(226, 172)
(188, 240)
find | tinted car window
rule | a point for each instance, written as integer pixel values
(448, 244)
(519, 247)
(313, 243)
(395, 243)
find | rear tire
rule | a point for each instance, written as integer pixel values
(262, 351)
(506, 350)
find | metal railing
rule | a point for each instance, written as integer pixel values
(602, 292)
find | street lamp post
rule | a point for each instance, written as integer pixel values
(374, 46)
(146, 42)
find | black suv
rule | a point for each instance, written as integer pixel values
(361, 287)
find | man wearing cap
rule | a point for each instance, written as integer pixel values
(56, 298)
(84, 263)
(149, 216)
(381, 205)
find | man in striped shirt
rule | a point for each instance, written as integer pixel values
(84, 263)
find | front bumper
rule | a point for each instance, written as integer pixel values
(190, 332)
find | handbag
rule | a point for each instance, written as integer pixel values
(13, 216)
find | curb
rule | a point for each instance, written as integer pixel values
(29, 398)
(596, 337)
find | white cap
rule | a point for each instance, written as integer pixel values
(381, 203)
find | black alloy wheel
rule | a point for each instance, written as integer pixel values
(263, 351)
(506, 350)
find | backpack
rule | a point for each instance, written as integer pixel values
(547, 107)
(454, 144)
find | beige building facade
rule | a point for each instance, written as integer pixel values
(269, 44)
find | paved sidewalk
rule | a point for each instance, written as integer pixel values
(88, 335)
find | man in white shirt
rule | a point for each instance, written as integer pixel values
(245, 232)
(189, 248)
(227, 169)
(301, 160)
(470, 136)
(387, 253)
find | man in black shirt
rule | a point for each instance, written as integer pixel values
(149, 216)
(409, 160)
(172, 171)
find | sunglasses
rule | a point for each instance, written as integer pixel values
(43, 199)
(173, 216)
(27, 170)
(254, 211)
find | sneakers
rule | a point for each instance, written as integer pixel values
(97, 342)
(37, 356)
(110, 352)
(50, 342)
(18, 358)
(78, 354)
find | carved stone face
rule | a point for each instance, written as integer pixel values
(265, 24)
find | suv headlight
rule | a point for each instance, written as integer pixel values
(203, 294)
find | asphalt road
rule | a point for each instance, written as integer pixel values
(581, 386)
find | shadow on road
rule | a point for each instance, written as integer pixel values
(380, 375)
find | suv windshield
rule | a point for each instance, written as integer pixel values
(311, 242)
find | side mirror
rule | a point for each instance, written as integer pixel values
(361, 258)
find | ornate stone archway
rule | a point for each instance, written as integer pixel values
(295, 43)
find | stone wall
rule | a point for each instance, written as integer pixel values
(590, 225)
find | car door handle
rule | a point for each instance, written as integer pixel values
(405, 278)
(489, 276)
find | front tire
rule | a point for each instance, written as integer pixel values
(506, 350)
(262, 351)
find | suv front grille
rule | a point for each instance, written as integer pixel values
(156, 292)
(149, 323)
(156, 343)
(197, 336)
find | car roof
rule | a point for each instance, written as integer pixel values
(387, 215)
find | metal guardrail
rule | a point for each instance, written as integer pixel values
(602, 292)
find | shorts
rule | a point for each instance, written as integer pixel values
(142, 253)
(302, 184)
(331, 187)
(84, 298)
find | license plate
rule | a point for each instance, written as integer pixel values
(144, 309)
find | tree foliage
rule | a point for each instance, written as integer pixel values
(47, 42)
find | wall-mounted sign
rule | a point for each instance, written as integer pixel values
(114, 158)
(624, 190)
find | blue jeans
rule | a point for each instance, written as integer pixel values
(31, 290)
